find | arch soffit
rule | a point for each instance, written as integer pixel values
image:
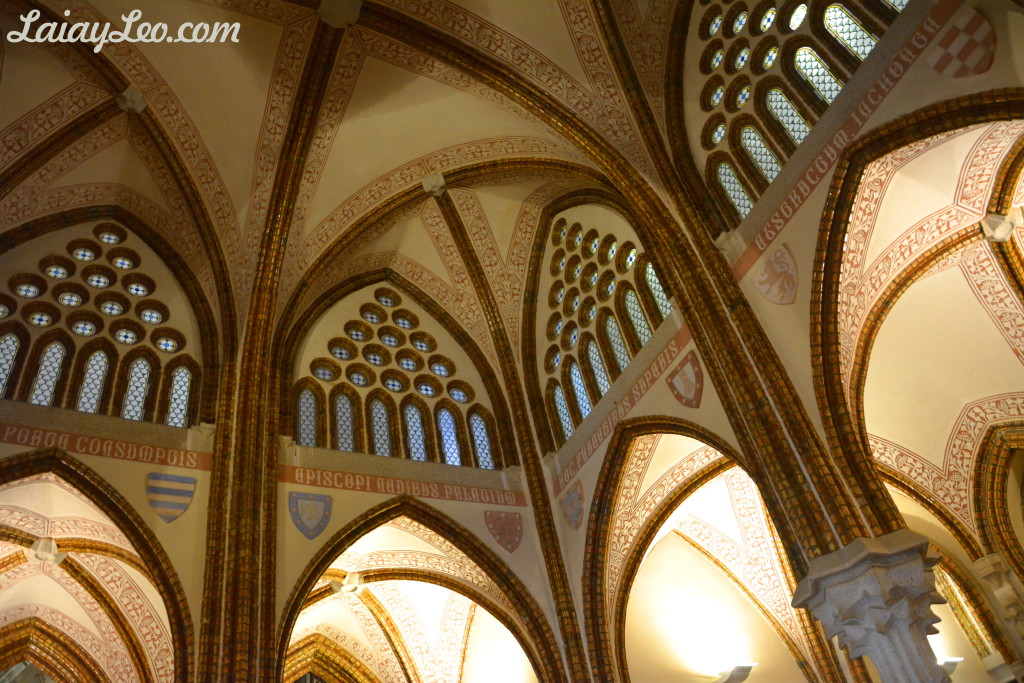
(120, 512)
(607, 491)
(538, 641)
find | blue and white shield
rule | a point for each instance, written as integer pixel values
(169, 494)
(310, 512)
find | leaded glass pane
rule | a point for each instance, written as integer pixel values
(817, 74)
(414, 430)
(307, 419)
(843, 26)
(732, 186)
(759, 152)
(481, 442)
(344, 424)
(562, 408)
(138, 387)
(381, 428)
(8, 352)
(449, 437)
(636, 316)
(47, 375)
(788, 116)
(616, 343)
(657, 291)
(92, 384)
(597, 365)
(579, 388)
(898, 4)
(177, 408)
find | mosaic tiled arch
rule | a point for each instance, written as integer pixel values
(608, 663)
(319, 655)
(158, 565)
(844, 430)
(538, 640)
(49, 649)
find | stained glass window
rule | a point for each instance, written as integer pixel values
(636, 316)
(579, 388)
(797, 17)
(767, 18)
(843, 26)
(8, 352)
(449, 437)
(306, 435)
(615, 341)
(898, 4)
(481, 442)
(732, 186)
(344, 423)
(755, 146)
(716, 136)
(657, 291)
(414, 431)
(92, 384)
(48, 374)
(138, 387)
(177, 408)
(768, 61)
(809, 64)
(562, 408)
(381, 424)
(788, 116)
(597, 365)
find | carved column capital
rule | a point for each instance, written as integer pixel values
(876, 596)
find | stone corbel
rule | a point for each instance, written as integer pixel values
(876, 596)
(1006, 589)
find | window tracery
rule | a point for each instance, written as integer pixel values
(481, 441)
(751, 45)
(449, 437)
(596, 285)
(92, 384)
(385, 353)
(86, 286)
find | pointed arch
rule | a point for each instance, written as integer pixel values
(32, 367)
(80, 376)
(13, 353)
(306, 390)
(383, 435)
(536, 636)
(173, 406)
(324, 658)
(49, 649)
(346, 435)
(451, 434)
(130, 377)
(123, 515)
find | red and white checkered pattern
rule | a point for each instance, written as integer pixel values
(967, 48)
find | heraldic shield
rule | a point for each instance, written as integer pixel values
(169, 494)
(310, 512)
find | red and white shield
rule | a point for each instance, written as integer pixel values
(687, 381)
(967, 48)
(506, 527)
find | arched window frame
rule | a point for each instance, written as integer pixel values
(840, 53)
(318, 394)
(167, 384)
(807, 90)
(11, 387)
(32, 367)
(465, 449)
(589, 373)
(718, 191)
(394, 428)
(747, 152)
(771, 124)
(569, 387)
(78, 374)
(611, 361)
(622, 314)
(492, 436)
(430, 442)
(643, 290)
(358, 423)
(124, 377)
(556, 422)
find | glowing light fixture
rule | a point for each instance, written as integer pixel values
(738, 674)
